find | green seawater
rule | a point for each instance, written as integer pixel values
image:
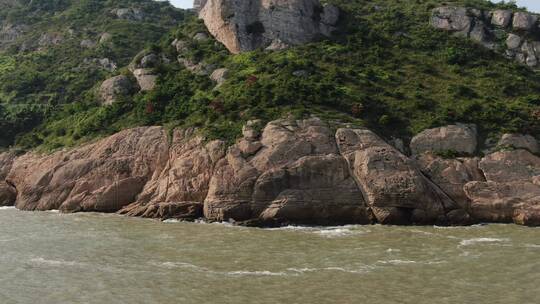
(52, 258)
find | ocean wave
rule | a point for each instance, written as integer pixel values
(57, 263)
(361, 270)
(7, 208)
(261, 273)
(329, 232)
(532, 246)
(474, 241)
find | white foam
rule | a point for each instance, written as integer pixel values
(532, 246)
(329, 232)
(469, 242)
(57, 263)
(255, 273)
(171, 221)
(361, 270)
(7, 208)
(397, 262)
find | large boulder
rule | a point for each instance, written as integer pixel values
(520, 141)
(510, 166)
(146, 79)
(497, 202)
(501, 18)
(524, 21)
(451, 175)
(512, 184)
(114, 88)
(295, 175)
(104, 176)
(454, 19)
(251, 24)
(394, 188)
(453, 138)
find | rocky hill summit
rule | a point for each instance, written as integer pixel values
(274, 24)
(515, 34)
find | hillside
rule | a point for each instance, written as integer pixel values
(385, 67)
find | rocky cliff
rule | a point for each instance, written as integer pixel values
(289, 171)
(515, 34)
(247, 25)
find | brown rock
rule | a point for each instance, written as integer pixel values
(510, 166)
(104, 176)
(451, 175)
(520, 141)
(146, 79)
(528, 214)
(296, 176)
(181, 211)
(497, 202)
(393, 186)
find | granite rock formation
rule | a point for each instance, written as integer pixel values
(285, 172)
(517, 32)
(247, 25)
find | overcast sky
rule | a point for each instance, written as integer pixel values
(533, 5)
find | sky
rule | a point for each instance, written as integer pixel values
(532, 5)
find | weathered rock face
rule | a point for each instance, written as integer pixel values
(512, 185)
(492, 29)
(451, 175)
(104, 176)
(281, 180)
(456, 138)
(146, 79)
(114, 88)
(251, 24)
(188, 211)
(519, 141)
(134, 14)
(291, 172)
(395, 189)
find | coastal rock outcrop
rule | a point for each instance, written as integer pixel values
(511, 185)
(513, 34)
(451, 175)
(295, 175)
(394, 188)
(285, 172)
(247, 25)
(104, 176)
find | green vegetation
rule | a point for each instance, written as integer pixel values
(387, 69)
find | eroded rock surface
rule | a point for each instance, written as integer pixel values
(104, 176)
(285, 172)
(454, 138)
(247, 25)
(394, 188)
(514, 34)
(294, 175)
(114, 88)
